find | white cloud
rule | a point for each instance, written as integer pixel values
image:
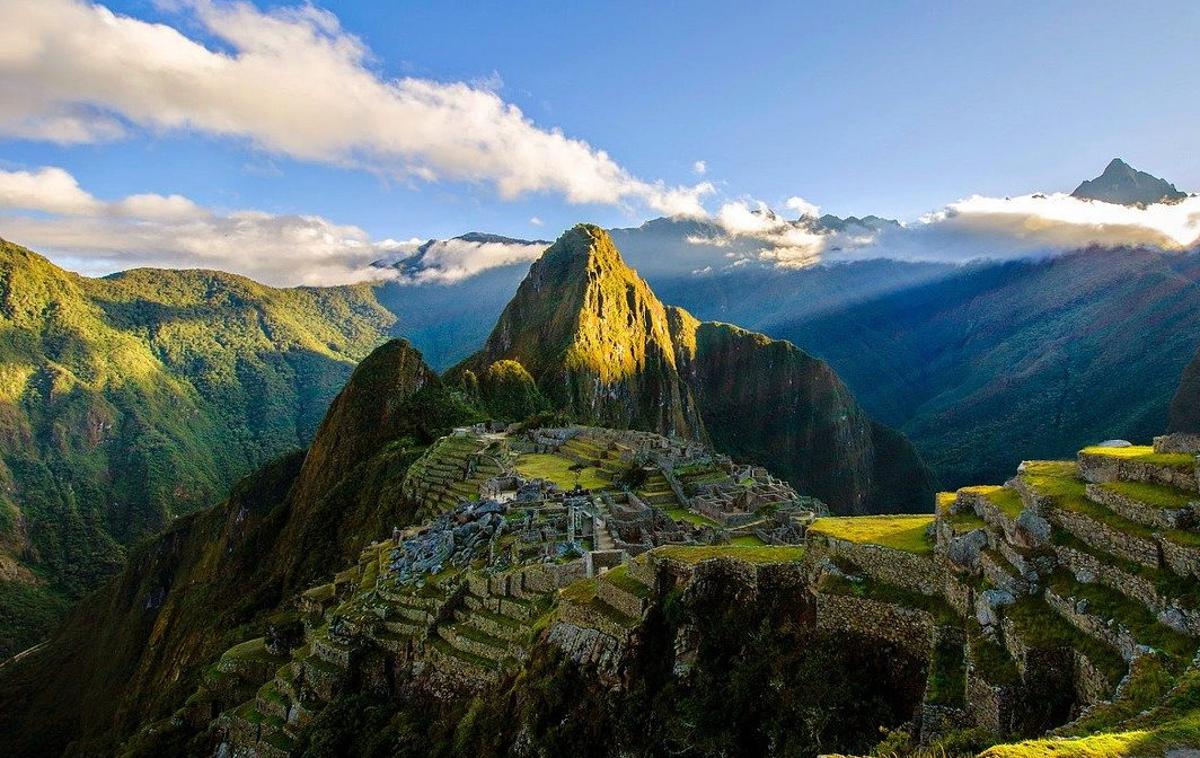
(803, 207)
(96, 237)
(292, 82)
(536, 221)
(49, 190)
(699, 168)
(449, 261)
(1059, 220)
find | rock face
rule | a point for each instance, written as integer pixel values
(1122, 183)
(768, 401)
(601, 346)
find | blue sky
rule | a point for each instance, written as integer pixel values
(888, 108)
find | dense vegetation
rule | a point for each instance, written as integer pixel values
(218, 575)
(133, 399)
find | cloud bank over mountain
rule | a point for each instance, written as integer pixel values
(975, 228)
(46, 208)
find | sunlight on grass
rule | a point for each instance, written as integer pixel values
(907, 532)
(557, 469)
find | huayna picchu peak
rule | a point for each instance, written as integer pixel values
(599, 344)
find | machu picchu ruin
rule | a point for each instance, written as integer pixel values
(1052, 612)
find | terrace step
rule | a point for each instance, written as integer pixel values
(1154, 505)
(496, 625)
(475, 642)
(442, 652)
(1113, 619)
(1138, 464)
(1174, 600)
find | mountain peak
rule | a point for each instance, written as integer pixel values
(1123, 184)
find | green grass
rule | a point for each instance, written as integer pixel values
(1059, 480)
(871, 589)
(679, 513)
(1039, 625)
(942, 501)
(1154, 495)
(748, 540)
(947, 674)
(557, 469)
(1167, 583)
(762, 555)
(620, 577)
(1173, 723)
(1006, 499)
(964, 522)
(255, 649)
(991, 660)
(1143, 454)
(906, 532)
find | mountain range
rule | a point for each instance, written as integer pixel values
(138, 398)
(585, 334)
(214, 374)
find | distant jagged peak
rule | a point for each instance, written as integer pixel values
(1123, 184)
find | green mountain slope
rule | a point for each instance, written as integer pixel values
(1030, 358)
(129, 400)
(132, 650)
(595, 338)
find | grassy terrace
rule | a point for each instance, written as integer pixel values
(750, 554)
(1183, 590)
(1108, 603)
(1007, 500)
(1173, 723)
(1143, 454)
(679, 513)
(907, 532)
(620, 577)
(964, 522)
(870, 589)
(947, 675)
(1060, 481)
(1154, 495)
(557, 469)
(942, 501)
(748, 540)
(583, 592)
(1040, 626)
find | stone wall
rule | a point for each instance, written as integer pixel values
(918, 573)
(910, 628)
(1115, 636)
(1170, 613)
(1135, 510)
(1109, 468)
(1141, 550)
(1182, 559)
(1179, 442)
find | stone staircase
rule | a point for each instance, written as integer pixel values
(656, 491)
(452, 470)
(605, 456)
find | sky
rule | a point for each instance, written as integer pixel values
(296, 143)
